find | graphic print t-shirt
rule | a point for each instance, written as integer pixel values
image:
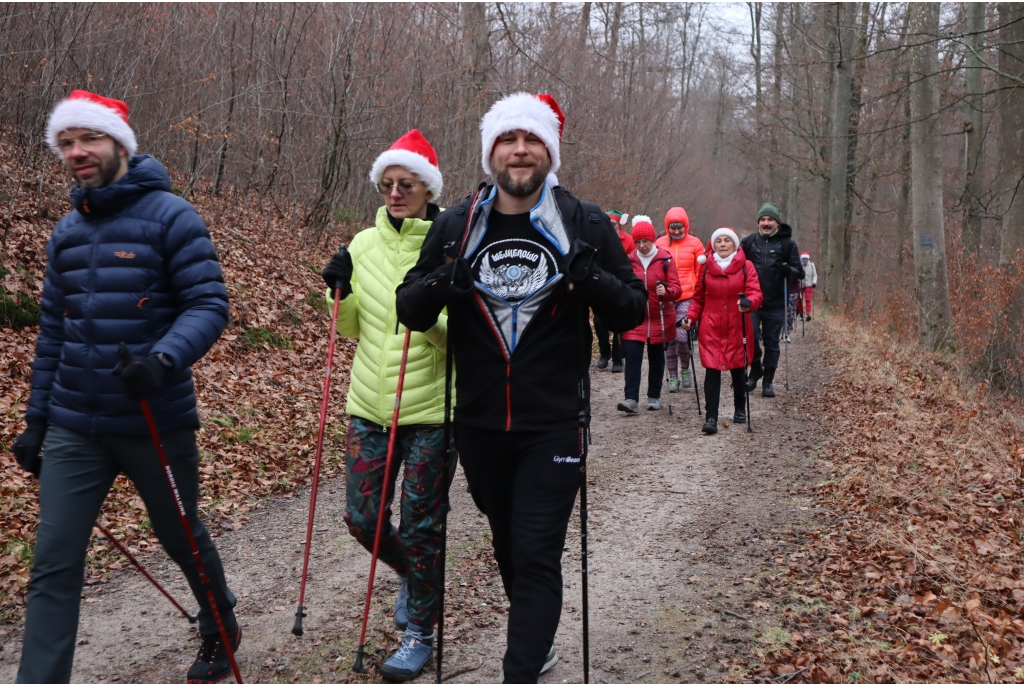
(515, 260)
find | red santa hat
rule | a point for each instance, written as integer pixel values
(537, 114)
(643, 228)
(413, 152)
(805, 255)
(82, 109)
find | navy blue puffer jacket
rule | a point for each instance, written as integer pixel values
(133, 263)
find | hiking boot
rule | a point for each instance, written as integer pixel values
(687, 380)
(549, 662)
(602, 363)
(673, 385)
(710, 426)
(616, 367)
(415, 652)
(807, 318)
(653, 403)
(787, 338)
(402, 602)
(752, 381)
(629, 406)
(739, 417)
(212, 664)
(767, 389)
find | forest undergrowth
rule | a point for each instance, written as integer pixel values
(914, 575)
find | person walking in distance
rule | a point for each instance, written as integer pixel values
(612, 351)
(775, 256)
(367, 272)
(720, 308)
(807, 285)
(131, 263)
(684, 248)
(517, 264)
(653, 265)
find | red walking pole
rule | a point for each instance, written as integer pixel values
(358, 666)
(192, 618)
(300, 612)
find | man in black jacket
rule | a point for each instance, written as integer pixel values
(776, 258)
(518, 264)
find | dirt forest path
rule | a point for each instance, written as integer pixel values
(686, 533)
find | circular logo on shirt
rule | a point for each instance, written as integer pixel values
(514, 269)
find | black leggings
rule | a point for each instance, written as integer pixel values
(611, 351)
(713, 388)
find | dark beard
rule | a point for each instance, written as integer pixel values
(107, 172)
(526, 189)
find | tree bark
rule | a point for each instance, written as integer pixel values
(932, 287)
(476, 57)
(1011, 128)
(973, 134)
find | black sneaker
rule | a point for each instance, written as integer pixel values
(767, 390)
(616, 367)
(212, 664)
(752, 380)
(602, 363)
(739, 417)
(710, 426)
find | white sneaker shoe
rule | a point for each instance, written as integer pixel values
(653, 404)
(549, 662)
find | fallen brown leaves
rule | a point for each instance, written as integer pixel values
(259, 388)
(915, 573)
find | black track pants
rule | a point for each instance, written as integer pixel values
(767, 329)
(713, 390)
(526, 484)
(655, 371)
(612, 350)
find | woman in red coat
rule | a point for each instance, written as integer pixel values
(720, 308)
(653, 265)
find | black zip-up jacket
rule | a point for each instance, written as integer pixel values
(535, 386)
(775, 258)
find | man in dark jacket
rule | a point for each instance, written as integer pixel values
(132, 263)
(775, 256)
(517, 265)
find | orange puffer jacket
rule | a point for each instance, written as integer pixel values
(684, 252)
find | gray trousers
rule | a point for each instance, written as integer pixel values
(77, 474)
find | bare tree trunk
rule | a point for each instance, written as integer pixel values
(476, 56)
(973, 134)
(755, 53)
(932, 288)
(1011, 128)
(836, 231)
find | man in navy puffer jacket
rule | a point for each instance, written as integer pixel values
(132, 263)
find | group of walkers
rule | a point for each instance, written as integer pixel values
(711, 288)
(495, 292)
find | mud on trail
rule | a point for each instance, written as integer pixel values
(690, 536)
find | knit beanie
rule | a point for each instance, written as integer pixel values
(536, 114)
(82, 109)
(414, 153)
(725, 231)
(643, 228)
(769, 209)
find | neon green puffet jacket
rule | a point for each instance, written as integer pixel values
(380, 257)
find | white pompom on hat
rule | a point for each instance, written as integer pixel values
(536, 114)
(414, 153)
(725, 231)
(82, 109)
(702, 259)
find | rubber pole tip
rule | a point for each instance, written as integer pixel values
(193, 618)
(358, 665)
(297, 628)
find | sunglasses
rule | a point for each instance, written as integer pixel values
(404, 188)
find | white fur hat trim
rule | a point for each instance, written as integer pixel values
(520, 111)
(417, 164)
(725, 231)
(78, 113)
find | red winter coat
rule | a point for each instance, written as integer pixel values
(684, 251)
(714, 305)
(659, 269)
(627, 241)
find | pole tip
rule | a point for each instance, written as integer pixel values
(192, 618)
(358, 665)
(297, 628)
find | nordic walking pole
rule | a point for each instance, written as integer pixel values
(746, 388)
(192, 618)
(664, 341)
(300, 612)
(204, 580)
(448, 469)
(785, 325)
(693, 365)
(803, 308)
(358, 665)
(583, 553)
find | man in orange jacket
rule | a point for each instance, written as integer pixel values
(684, 249)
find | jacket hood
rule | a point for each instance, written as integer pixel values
(785, 231)
(678, 214)
(145, 174)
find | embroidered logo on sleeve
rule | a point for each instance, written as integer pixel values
(125, 255)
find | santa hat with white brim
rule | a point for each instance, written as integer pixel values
(536, 114)
(725, 231)
(82, 109)
(414, 153)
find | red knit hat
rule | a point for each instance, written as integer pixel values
(83, 109)
(413, 152)
(643, 229)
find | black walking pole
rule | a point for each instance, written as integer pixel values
(449, 471)
(664, 341)
(746, 388)
(583, 549)
(785, 326)
(693, 365)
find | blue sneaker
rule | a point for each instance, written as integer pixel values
(410, 659)
(402, 602)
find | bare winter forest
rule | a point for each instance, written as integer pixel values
(891, 135)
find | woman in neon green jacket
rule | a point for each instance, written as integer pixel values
(368, 272)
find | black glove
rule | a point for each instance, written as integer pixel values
(452, 280)
(744, 302)
(338, 272)
(28, 446)
(141, 377)
(814, 285)
(582, 262)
